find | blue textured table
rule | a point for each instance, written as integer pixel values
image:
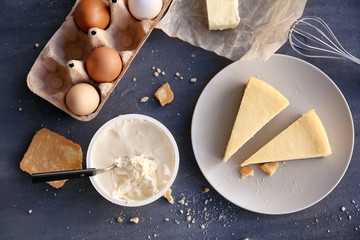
(77, 211)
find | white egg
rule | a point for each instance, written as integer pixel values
(82, 99)
(145, 9)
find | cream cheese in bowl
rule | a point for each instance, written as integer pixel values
(148, 171)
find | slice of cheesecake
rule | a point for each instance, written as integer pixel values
(305, 138)
(260, 103)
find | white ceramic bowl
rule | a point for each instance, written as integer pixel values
(134, 203)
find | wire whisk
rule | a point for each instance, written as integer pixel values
(312, 37)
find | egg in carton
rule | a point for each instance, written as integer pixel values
(62, 63)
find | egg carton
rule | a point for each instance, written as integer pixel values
(61, 64)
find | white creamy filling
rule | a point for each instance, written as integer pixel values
(135, 178)
(144, 174)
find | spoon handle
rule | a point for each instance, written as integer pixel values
(61, 175)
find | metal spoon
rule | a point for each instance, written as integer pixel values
(61, 175)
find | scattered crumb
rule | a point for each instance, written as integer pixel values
(181, 77)
(343, 209)
(30, 211)
(158, 70)
(349, 217)
(167, 219)
(163, 73)
(168, 196)
(153, 68)
(20, 109)
(193, 220)
(119, 219)
(134, 79)
(156, 74)
(206, 190)
(246, 238)
(144, 99)
(37, 45)
(188, 218)
(181, 211)
(328, 230)
(177, 74)
(134, 220)
(193, 80)
(182, 201)
(353, 201)
(246, 171)
(269, 168)
(176, 221)
(164, 94)
(202, 226)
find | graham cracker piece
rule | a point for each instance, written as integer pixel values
(269, 168)
(168, 196)
(49, 152)
(246, 171)
(164, 94)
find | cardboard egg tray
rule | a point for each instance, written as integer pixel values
(61, 64)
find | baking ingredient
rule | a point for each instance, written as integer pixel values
(305, 138)
(62, 61)
(145, 9)
(49, 152)
(138, 177)
(168, 196)
(260, 103)
(92, 13)
(222, 14)
(135, 178)
(82, 99)
(134, 220)
(164, 94)
(268, 168)
(246, 171)
(104, 64)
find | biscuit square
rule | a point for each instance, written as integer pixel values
(164, 94)
(49, 152)
(269, 168)
(246, 171)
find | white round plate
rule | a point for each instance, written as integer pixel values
(297, 184)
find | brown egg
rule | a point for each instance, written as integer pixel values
(82, 99)
(104, 64)
(92, 13)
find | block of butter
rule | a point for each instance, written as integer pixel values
(222, 14)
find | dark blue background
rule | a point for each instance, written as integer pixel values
(77, 211)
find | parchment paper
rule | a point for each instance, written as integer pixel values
(263, 28)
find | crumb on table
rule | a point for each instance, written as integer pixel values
(144, 99)
(134, 220)
(164, 94)
(168, 196)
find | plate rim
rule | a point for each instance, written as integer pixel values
(347, 110)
